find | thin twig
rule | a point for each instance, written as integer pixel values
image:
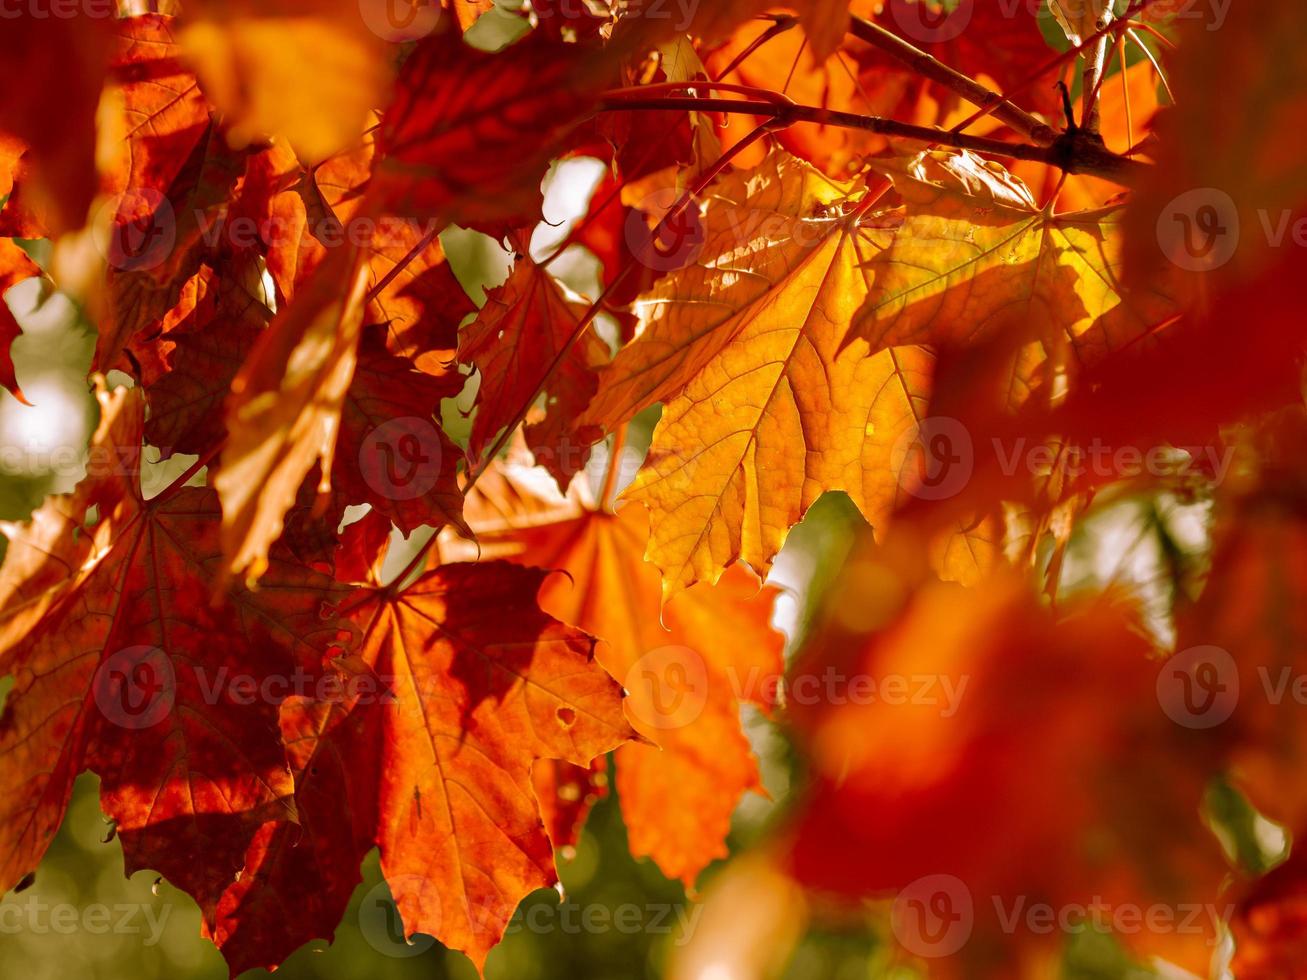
(1095, 72)
(1125, 92)
(1152, 60)
(402, 264)
(779, 26)
(611, 473)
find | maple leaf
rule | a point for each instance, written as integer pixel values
(765, 408)
(297, 878)
(1214, 211)
(67, 89)
(188, 368)
(15, 267)
(391, 454)
(1083, 787)
(527, 338)
(124, 667)
(469, 134)
(277, 284)
(1229, 167)
(976, 255)
(172, 175)
(485, 684)
(284, 412)
(305, 214)
(566, 794)
(685, 682)
(16, 219)
(305, 70)
(165, 116)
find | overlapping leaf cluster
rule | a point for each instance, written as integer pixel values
(249, 201)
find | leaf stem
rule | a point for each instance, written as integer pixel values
(780, 24)
(614, 466)
(181, 481)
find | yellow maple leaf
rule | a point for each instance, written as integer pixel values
(766, 407)
(976, 255)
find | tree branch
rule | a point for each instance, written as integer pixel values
(1076, 153)
(964, 85)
